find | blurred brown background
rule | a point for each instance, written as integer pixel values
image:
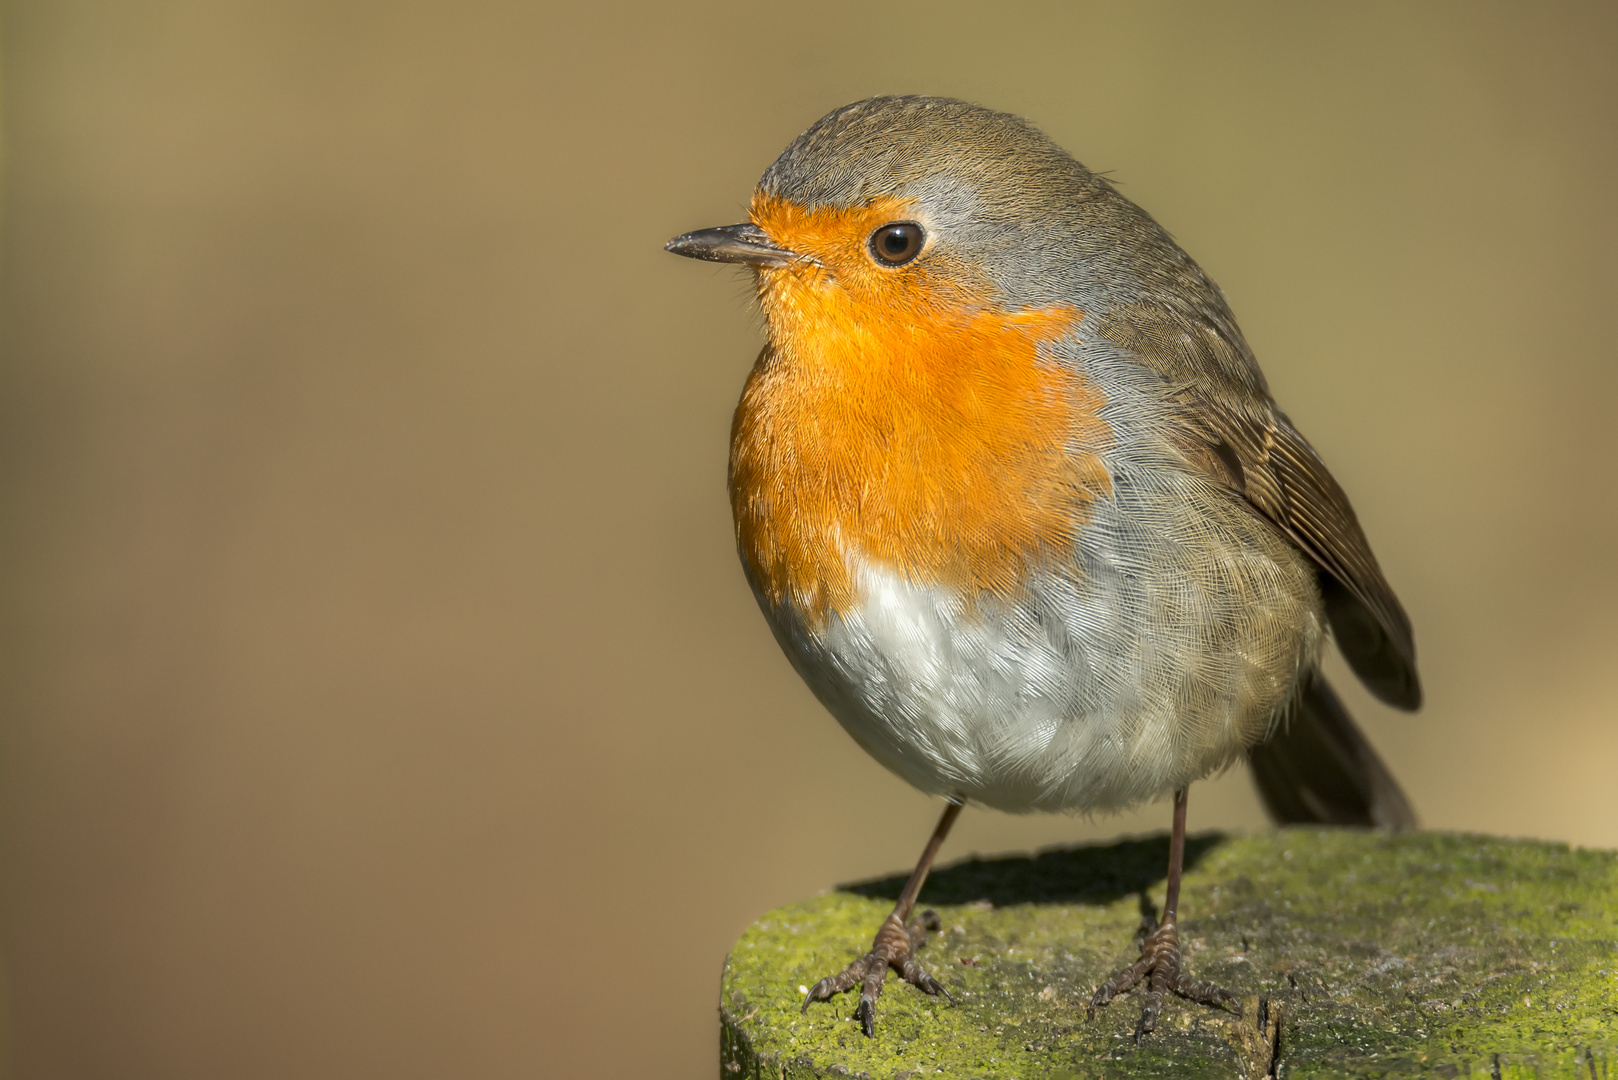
(380, 693)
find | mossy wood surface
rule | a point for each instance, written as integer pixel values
(1417, 954)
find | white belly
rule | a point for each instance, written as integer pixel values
(1118, 677)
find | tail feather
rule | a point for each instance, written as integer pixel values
(1320, 770)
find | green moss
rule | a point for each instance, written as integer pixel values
(1387, 955)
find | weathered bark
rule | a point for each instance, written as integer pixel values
(1374, 954)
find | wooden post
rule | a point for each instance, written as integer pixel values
(1362, 953)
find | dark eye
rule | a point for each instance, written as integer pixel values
(897, 242)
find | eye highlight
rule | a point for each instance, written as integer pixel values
(897, 242)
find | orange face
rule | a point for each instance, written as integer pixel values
(897, 417)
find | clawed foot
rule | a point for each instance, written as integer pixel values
(1159, 967)
(895, 947)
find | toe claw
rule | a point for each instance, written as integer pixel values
(1148, 1017)
(867, 1016)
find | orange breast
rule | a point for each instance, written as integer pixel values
(928, 437)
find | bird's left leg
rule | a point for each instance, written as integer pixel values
(1160, 960)
(896, 944)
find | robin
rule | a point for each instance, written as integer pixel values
(1017, 503)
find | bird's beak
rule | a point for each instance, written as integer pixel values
(733, 244)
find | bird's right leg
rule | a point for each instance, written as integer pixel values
(896, 943)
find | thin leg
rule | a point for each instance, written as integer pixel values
(1159, 963)
(1171, 899)
(896, 944)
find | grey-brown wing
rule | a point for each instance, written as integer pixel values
(1367, 620)
(1251, 445)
